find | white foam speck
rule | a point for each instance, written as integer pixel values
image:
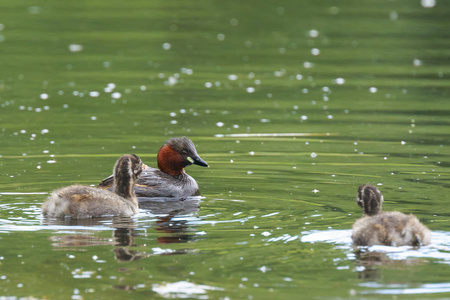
(94, 94)
(313, 33)
(116, 95)
(75, 48)
(428, 3)
(167, 46)
(339, 81)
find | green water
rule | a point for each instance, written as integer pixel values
(362, 86)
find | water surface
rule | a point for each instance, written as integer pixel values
(293, 104)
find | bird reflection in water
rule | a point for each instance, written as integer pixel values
(371, 263)
(170, 228)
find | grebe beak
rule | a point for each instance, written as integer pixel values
(197, 161)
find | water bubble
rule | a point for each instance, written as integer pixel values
(265, 120)
(417, 62)
(339, 81)
(232, 77)
(143, 87)
(280, 10)
(428, 3)
(75, 48)
(94, 94)
(373, 90)
(220, 36)
(38, 109)
(173, 122)
(2, 27)
(116, 95)
(315, 51)
(172, 80)
(313, 33)
(257, 82)
(304, 118)
(334, 10)
(308, 65)
(313, 155)
(298, 77)
(93, 118)
(43, 96)
(106, 64)
(220, 124)
(208, 85)
(252, 153)
(330, 117)
(166, 46)
(250, 90)
(34, 10)
(279, 73)
(393, 15)
(234, 22)
(23, 131)
(235, 126)
(403, 142)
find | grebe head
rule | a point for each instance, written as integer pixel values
(370, 199)
(178, 153)
(126, 171)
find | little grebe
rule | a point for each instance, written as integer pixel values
(385, 228)
(79, 202)
(170, 180)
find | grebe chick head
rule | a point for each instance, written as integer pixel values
(126, 171)
(370, 199)
(176, 154)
